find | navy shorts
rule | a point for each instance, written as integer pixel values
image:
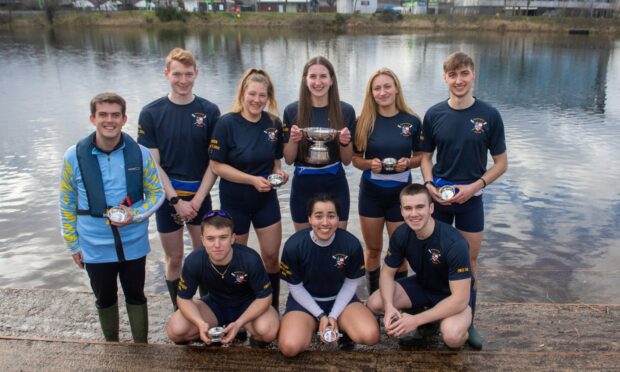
(421, 297)
(247, 205)
(225, 314)
(326, 306)
(165, 222)
(376, 201)
(305, 186)
(468, 217)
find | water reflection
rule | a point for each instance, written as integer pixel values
(552, 220)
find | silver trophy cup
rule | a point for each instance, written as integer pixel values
(216, 334)
(389, 164)
(117, 214)
(318, 152)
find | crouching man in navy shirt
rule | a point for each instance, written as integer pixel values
(439, 256)
(239, 289)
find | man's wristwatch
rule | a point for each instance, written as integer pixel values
(427, 182)
(174, 200)
(321, 315)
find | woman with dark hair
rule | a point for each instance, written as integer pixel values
(245, 149)
(323, 266)
(319, 105)
(385, 143)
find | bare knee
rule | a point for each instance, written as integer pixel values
(375, 304)
(373, 253)
(266, 330)
(368, 336)
(454, 338)
(271, 261)
(290, 347)
(176, 332)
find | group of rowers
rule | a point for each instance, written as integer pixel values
(111, 184)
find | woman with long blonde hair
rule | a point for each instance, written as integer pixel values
(385, 148)
(245, 149)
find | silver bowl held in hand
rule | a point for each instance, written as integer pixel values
(216, 334)
(330, 334)
(389, 164)
(275, 180)
(320, 134)
(117, 214)
(447, 192)
(318, 152)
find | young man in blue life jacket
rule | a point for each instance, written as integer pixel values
(109, 187)
(463, 130)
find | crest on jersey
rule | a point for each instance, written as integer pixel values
(199, 119)
(341, 260)
(272, 134)
(435, 256)
(240, 277)
(479, 125)
(405, 129)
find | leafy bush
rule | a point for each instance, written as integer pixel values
(341, 19)
(170, 13)
(388, 16)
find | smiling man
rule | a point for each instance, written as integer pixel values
(239, 289)
(439, 256)
(104, 170)
(177, 129)
(463, 130)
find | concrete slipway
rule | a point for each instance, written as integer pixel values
(52, 330)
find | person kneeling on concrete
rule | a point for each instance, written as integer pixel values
(239, 289)
(439, 256)
(323, 266)
(109, 187)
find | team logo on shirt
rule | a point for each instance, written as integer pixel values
(272, 134)
(199, 119)
(405, 129)
(435, 256)
(240, 277)
(479, 125)
(341, 260)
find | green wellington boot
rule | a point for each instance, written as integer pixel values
(108, 318)
(475, 339)
(139, 322)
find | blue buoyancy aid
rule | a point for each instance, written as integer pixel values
(91, 174)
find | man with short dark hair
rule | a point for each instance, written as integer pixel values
(441, 286)
(177, 129)
(239, 289)
(463, 130)
(109, 187)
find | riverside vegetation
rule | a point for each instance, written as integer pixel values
(322, 21)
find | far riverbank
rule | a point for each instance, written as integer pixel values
(312, 21)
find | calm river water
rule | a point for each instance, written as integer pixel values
(552, 221)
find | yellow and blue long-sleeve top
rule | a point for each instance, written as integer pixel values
(92, 235)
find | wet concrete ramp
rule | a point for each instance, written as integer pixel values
(59, 355)
(58, 330)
